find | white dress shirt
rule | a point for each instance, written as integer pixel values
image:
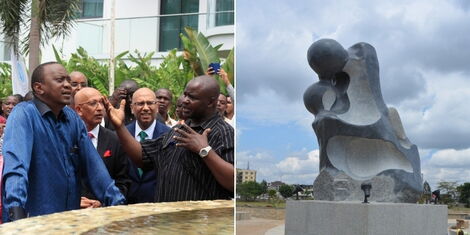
(149, 130)
(95, 132)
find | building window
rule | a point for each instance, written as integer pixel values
(5, 50)
(91, 9)
(224, 12)
(172, 26)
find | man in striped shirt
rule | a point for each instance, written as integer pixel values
(194, 161)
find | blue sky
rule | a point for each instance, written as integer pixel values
(424, 60)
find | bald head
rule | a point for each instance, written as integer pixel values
(84, 95)
(208, 85)
(200, 99)
(144, 107)
(142, 92)
(89, 106)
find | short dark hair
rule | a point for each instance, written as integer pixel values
(38, 73)
(165, 89)
(19, 97)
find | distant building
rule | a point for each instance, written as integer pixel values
(245, 175)
(275, 185)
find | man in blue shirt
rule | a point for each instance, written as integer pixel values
(47, 152)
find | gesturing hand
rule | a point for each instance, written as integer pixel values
(115, 115)
(190, 139)
(224, 76)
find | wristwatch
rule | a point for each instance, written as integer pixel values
(204, 151)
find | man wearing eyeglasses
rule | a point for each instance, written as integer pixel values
(194, 161)
(48, 154)
(78, 81)
(89, 107)
(144, 107)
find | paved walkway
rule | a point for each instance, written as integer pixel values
(279, 230)
(259, 226)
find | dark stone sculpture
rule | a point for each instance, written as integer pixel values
(360, 139)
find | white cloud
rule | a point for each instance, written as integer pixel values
(451, 158)
(447, 165)
(423, 56)
(302, 167)
(298, 167)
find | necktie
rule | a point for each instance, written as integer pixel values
(90, 135)
(142, 136)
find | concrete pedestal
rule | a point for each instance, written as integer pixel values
(349, 218)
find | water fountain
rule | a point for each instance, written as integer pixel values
(188, 217)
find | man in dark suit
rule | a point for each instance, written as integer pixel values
(144, 108)
(89, 107)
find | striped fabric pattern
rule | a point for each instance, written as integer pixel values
(181, 174)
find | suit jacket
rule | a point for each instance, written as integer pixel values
(143, 188)
(115, 160)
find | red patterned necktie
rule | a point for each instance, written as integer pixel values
(91, 135)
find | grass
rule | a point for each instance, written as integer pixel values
(459, 210)
(262, 204)
(282, 205)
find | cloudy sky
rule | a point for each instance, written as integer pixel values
(423, 47)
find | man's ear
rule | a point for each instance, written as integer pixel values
(213, 101)
(78, 109)
(37, 88)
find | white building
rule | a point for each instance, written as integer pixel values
(245, 175)
(143, 25)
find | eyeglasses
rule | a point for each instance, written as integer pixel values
(93, 103)
(76, 84)
(143, 103)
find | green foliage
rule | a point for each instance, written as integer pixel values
(464, 191)
(273, 198)
(5, 80)
(272, 193)
(250, 190)
(173, 73)
(206, 52)
(199, 54)
(228, 66)
(94, 70)
(264, 186)
(448, 192)
(286, 190)
(40, 19)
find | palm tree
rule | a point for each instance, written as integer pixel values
(44, 18)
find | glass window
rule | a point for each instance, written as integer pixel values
(91, 9)
(222, 17)
(172, 26)
(5, 51)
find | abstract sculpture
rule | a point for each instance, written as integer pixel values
(360, 139)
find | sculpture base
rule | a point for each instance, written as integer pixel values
(389, 186)
(327, 217)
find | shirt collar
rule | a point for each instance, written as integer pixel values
(95, 131)
(149, 130)
(43, 109)
(209, 123)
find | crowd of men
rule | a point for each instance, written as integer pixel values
(66, 146)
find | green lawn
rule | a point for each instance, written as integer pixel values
(280, 205)
(459, 210)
